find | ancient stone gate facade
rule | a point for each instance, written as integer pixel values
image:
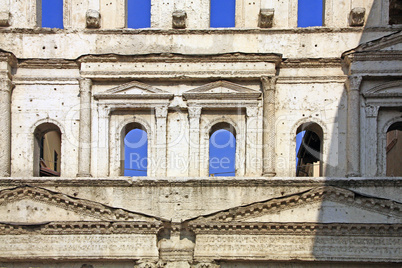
(332, 199)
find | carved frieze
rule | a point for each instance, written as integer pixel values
(271, 247)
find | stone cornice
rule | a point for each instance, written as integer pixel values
(48, 64)
(265, 228)
(176, 57)
(311, 63)
(201, 181)
(40, 30)
(81, 227)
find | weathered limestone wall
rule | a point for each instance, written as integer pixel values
(181, 199)
(298, 43)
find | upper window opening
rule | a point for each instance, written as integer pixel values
(394, 150)
(309, 150)
(47, 150)
(222, 13)
(310, 13)
(134, 153)
(395, 12)
(222, 150)
(51, 14)
(138, 14)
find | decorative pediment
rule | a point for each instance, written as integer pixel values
(134, 90)
(32, 205)
(385, 90)
(222, 90)
(392, 42)
(319, 205)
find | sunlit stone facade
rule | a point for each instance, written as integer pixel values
(265, 80)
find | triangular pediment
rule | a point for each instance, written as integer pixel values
(134, 89)
(389, 89)
(389, 43)
(32, 204)
(221, 89)
(320, 205)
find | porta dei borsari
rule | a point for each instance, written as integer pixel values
(200, 133)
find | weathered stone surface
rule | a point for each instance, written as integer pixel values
(179, 19)
(265, 79)
(93, 19)
(357, 16)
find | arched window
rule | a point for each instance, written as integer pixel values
(310, 13)
(222, 13)
(50, 13)
(134, 150)
(138, 13)
(394, 150)
(309, 137)
(47, 150)
(222, 150)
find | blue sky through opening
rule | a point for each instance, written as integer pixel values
(222, 13)
(136, 153)
(52, 13)
(222, 151)
(310, 13)
(138, 14)
(299, 139)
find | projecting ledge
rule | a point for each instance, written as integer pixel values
(203, 181)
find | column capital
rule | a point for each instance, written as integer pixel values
(371, 110)
(85, 84)
(194, 112)
(6, 85)
(251, 111)
(161, 111)
(268, 82)
(353, 83)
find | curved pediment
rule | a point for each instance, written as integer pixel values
(389, 89)
(134, 90)
(221, 90)
(325, 204)
(32, 204)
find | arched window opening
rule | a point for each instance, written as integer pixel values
(50, 13)
(222, 150)
(138, 14)
(309, 138)
(222, 13)
(134, 153)
(395, 11)
(310, 13)
(47, 150)
(394, 150)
